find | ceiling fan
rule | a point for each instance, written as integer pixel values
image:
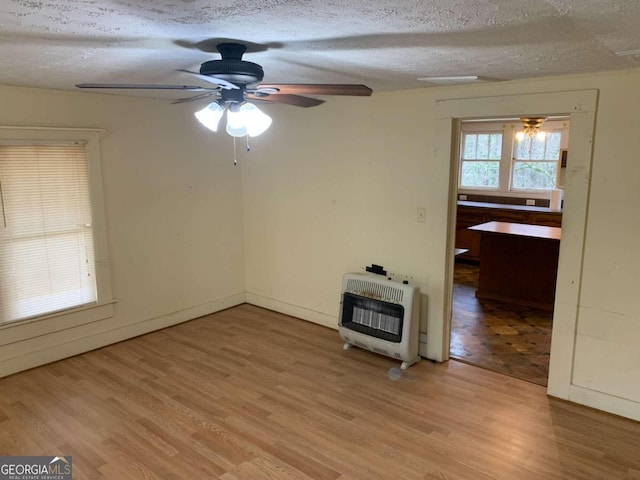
(234, 81)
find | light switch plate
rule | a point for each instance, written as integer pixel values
(422, 214)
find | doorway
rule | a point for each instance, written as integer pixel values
(507, 179)
(448, 114)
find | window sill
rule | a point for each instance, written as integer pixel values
(533, 194)
(20, 330)
(506, 206)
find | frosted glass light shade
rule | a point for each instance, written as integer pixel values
(247, 120)
(236, 124)
(210, 116)
(256, 121)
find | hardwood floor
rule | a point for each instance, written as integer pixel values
(252, 394)
(502, 337)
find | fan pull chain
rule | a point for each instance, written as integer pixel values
(235, 150)
(235, 155)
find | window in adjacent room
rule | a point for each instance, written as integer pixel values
(481, 155)
(47, 252)
(493, 161)
(535, 161)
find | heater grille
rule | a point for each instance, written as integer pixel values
(365, 288)
(377, 320)
(373, 317)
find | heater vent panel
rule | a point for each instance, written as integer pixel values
(372, 317)
(366, 288)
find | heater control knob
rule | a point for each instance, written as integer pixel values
(405, 282)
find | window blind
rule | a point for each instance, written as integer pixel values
(46, 237)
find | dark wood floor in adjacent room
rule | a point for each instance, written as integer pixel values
(252, 394)
(502, 337)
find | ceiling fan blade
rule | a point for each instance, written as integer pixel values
(218, 81)
(195, 98)
(288, 99)
(147, 86)
(319, 89)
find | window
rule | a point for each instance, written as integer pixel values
(493, 160)
(47, 254)
(481, 155)
(535, 162)
(46, 245)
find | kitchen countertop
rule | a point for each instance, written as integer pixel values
(519, 230)
(506, 206)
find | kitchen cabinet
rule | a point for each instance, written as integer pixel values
(518, 263)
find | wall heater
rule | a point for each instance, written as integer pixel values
(380, 315)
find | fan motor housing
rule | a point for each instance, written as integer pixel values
(234, 71)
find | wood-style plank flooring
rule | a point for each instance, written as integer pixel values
(251, 394)
(502, 337)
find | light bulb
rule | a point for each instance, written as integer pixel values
(210, 116)
(520, 136)
(541, 135)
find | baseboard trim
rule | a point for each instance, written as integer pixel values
(313, 316)
(31, 359)
(605, 402)
(303, 313)
(35, 358)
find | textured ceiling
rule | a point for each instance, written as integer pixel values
(384, 44)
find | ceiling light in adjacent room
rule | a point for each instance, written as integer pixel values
(531, 128)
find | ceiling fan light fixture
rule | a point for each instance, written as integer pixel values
(210, 116)
(247, 119)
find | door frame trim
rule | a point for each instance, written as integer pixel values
(581, 106)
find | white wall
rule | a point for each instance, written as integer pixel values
(337, 187)
(173, 214)
(334, 189)
(327, 190)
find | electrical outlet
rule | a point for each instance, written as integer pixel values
(422, 214)
(531, 202)
(462, 197)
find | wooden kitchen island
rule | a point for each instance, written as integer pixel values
(518, 263)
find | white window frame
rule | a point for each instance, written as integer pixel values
(480, 129)
(509, 129)
(514, 160)
(18, 330)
